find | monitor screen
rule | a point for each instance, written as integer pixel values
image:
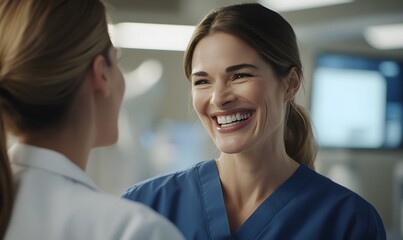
(357, 102)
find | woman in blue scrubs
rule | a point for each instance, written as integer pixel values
(244, 68)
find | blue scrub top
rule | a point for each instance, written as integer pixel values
(306, 206)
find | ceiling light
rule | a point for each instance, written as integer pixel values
(143, 78)
(385, 36)
(291, 5)
(151, 36)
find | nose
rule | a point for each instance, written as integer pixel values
(222, 95)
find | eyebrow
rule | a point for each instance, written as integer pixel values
(228, 69)
(239, 66)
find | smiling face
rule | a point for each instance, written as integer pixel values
(237, 96)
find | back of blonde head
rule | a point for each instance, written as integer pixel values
(46, 46)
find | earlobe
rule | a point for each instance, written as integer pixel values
(292, 84)
(99, 75)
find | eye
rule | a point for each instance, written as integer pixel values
(200, 82)
(241, 75)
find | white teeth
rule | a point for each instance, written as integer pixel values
(232, 118)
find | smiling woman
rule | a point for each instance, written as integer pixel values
(244, 68)
(238, 81)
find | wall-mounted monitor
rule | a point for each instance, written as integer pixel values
(357, 102)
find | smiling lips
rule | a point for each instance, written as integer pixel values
(233, 119)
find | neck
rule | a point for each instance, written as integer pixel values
(248, 179)
(73, 142)
(79, 131)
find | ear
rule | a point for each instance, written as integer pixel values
(292, 84)
(98, 73)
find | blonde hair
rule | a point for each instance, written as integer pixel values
(46, 48)
(274, 39)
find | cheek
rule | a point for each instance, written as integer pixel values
(122, 83)
(198, 102)
(255, 90)
(275, 108)
(255, 94)
(118, 88)
(123, 88)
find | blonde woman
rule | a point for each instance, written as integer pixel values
(60, 94)
(244, 68)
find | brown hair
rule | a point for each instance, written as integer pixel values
(46, 48)
(274, 39)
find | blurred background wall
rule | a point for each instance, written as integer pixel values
(159, 132)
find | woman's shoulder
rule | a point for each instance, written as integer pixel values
(122, 219)
(333, 193)
(344, 206)
(80, 212)
(325, 186)
(168, 183)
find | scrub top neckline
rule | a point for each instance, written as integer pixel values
(216, 215)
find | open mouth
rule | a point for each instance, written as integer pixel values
(232, 119)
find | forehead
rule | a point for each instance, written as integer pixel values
(223, 50)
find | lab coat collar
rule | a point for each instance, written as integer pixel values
(48, 160)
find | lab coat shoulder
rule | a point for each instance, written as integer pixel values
(121, 219)
(56, 200)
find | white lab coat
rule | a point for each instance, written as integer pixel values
(56, 200)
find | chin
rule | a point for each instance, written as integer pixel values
(231, 149)
(231, 146)
(112, 141)
(107, 141)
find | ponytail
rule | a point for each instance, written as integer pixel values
(298, 136)
(6, 190)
